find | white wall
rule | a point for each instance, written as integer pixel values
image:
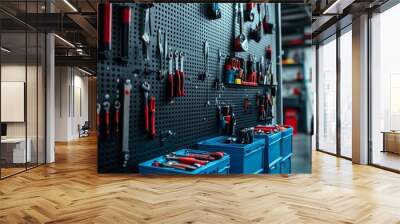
(71, 102)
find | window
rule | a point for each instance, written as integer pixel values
(327, 96)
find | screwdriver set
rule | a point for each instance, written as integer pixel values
(173, 74)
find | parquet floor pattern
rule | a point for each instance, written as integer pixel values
(71, 191)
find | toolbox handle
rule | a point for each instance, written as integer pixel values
(251, 151)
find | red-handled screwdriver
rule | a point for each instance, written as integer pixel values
(170, 79)
(177, 75)
(152, 110)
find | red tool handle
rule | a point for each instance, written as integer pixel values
(170, 90)
(177, 83)
(190, 161)
(217, 155)
(152, 104)
(108, 122)
(201, 157)
(117, 121)
(182, 78)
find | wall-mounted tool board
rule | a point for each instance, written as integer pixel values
(187, 29)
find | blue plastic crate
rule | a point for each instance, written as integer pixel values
(272, 151)
(286, 142)
(245, 158)
(286, 164)
(220, 166)
(275, 167)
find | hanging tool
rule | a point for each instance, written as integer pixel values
(218, 81)
(177, 78)
(146, 88)
(261, 71)
(170, 80)
(249, 13)
(117, 107)
(268, 53)
(146, 34)
(256, 33)
(182, 74)
(204, 75)
(241, 43)
(98, 110)
(166, 47)
(125, 120)
(125, 31)
(213, 11)
(105, 11)
(268, 27)
(106, 107)
(152, 111)
(161, 54)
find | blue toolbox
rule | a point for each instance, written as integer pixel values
(245, 158)
(286, 142)
(275, 167)
(286, 164)
(161, 164)
(272, 151)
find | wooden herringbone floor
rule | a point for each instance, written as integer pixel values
(71, 191)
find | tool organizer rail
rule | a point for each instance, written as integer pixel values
(186, 119)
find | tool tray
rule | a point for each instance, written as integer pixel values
(245, 158)
(220, 166)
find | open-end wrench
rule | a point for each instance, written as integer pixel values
(106, 107)
(182, 74)
(170, 80)
(125, 124)
(146, 88)
(177, 77)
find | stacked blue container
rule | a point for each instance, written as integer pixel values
(272, 152)
(286, 150)
(245, 158)
(220, 166)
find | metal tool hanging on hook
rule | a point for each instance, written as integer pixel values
(160, 75)
(125, 122)
(147, 34)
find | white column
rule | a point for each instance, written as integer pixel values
(50, 99)
(360, 90)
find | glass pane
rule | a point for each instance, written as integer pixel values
(31, 99)
(346, 94)
(327, 97)
(41, 98)
(385, 84)
(13, 92)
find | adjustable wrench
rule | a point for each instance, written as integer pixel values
(146, 89)
(125, 124)
(106, 106)
(177, 77)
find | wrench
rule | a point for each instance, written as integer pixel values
(170, 81)
(146, 89)
(125, 124)
(161, 52)
(117, 107)
(146, 36)
(182, 73)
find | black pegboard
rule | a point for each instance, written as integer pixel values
(187, 28)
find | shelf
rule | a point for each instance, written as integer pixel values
(293, 82)
(246, 86)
